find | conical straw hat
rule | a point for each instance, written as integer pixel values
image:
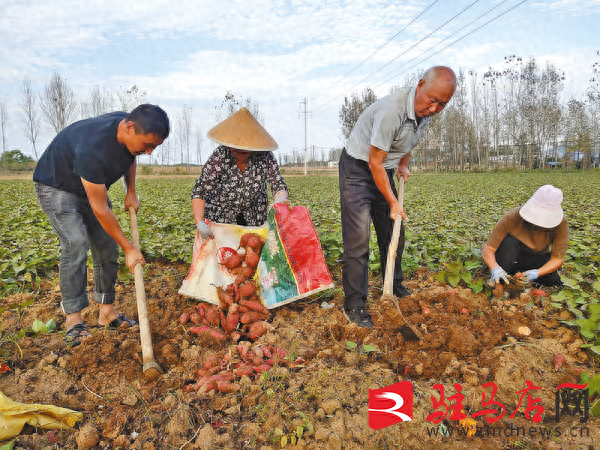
(242, 131)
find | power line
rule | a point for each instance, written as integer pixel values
(386, 43)
(433, 46)
(403, 53)
(454, 42)
(461, 38)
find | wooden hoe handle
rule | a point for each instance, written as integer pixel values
(151, 368)
(388, 280)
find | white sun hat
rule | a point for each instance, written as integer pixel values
(543, 208)
(243, 132)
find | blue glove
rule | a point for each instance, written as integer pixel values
(204, 230)
(531, 274)
(497, 274)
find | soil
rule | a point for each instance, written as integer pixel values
(468, 340)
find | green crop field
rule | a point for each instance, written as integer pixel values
(450, 218)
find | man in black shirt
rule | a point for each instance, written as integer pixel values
(72, 179)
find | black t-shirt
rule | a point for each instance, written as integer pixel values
(86, 149)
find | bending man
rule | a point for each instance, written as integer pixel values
(379, 145)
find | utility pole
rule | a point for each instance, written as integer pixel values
(305, 112)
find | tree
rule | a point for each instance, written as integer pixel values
(3, 126)
(30, 117)
(131, 98)
(353, 108)
(58, 102)
(16, 157)
(99, 102)
(199, 145)
(232, 104)
(184, 130)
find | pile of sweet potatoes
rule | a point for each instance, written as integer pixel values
(240, 312)
(219, 373)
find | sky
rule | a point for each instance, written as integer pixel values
(279, 53)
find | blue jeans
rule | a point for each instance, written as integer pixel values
(72, 218)
(361, 202)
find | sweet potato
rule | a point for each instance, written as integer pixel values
(200, 307)
(233, 261)
(252, 316)
(244, 239)
(184, 317)
(252, 258)
(244, 369)
(236, 336)
(247, 289)
(225, 298)
(255, 243)
(242, 309)
(255, 306)
(212, 316)
(233, 317)
(258, 351)
(262, 368)
(223, 318)
(195, 318)
(212, 361)
(258, 329)
(242, 349)
(225, 387)
(216, 334)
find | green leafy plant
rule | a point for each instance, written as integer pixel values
(593, 386)
(365, 348)
(296, 434)
(455, 272)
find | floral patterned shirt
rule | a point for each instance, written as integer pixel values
(227, 191)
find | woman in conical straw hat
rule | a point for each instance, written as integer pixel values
(530, 242)
(233, 185)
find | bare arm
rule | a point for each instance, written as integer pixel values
(376, 157)
(489, 256)
(99, 201)
(131, 200)
(402, 170)
(198, 209)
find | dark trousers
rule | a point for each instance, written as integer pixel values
(361, 202)
(514, 256)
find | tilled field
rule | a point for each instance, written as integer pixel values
(468, 339)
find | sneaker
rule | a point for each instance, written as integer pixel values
(400, 291)
(359, 316)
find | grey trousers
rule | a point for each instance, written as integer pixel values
(72, 218)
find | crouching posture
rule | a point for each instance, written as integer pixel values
(530, 242)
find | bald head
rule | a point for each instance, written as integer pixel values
(434, 90)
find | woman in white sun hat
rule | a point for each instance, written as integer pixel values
(232, 187)
(530, 242)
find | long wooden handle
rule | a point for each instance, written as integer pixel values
(140, 294)
(388, 280)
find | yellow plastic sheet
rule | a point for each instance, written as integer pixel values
(14, 416)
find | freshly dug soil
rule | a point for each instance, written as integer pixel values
(468, 338)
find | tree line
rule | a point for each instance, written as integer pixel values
(56, 106)
(518, 117)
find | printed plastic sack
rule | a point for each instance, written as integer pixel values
(205, 272)
(292, 265)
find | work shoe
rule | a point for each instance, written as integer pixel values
(400, 291)
(359, 316)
